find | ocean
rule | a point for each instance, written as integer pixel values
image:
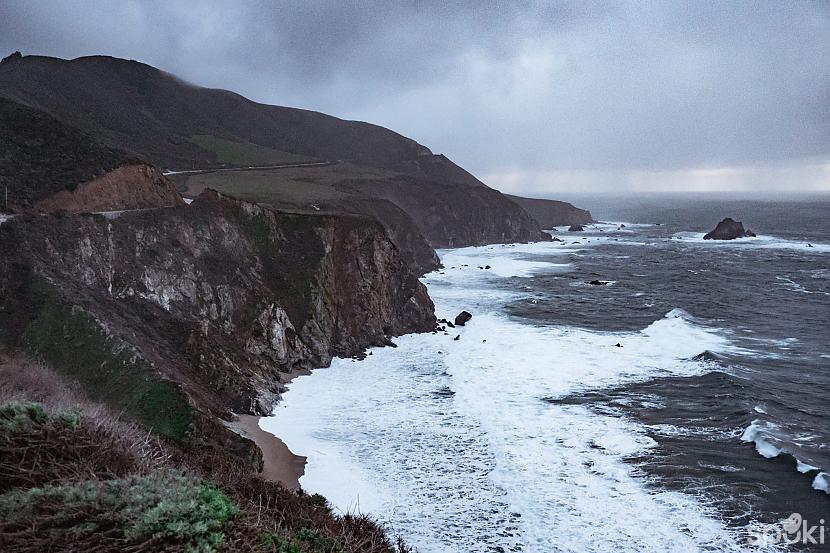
(681, 406)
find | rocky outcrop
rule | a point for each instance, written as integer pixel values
(729, 229)
(575, 228)
(463, 318)
(553, 213)
(181, 315)
(136, 186)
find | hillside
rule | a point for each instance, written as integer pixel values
(48, 165)
(172, 124)
(75, 476)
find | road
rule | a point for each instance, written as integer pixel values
(253, 168)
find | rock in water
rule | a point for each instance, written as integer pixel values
(598, 282)
(729, 229)
(462, 318)
(575, 228)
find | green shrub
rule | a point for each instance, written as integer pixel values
(170, 507)
(19, 415)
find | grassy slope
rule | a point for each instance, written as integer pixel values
(139, 109)
(298, 185)
(233, 152)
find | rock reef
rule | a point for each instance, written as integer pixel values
(729, 229)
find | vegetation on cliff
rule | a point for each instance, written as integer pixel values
(74, 476)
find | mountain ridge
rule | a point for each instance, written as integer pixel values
(170, 123)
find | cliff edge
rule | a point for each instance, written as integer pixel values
(181, 316)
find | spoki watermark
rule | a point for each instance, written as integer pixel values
(792, 530)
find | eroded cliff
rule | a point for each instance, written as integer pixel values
(179, 316)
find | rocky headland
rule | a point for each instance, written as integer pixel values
(182, 322)
(182, 316)
(187, 127)
(553, 213)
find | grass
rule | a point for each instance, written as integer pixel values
(40, 155)
(168, 507)
(73, 343)
(243, 153)
(300, 186)
(16, 416)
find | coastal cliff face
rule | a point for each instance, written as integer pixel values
(179, 316)
(453, 216)
(553, 213)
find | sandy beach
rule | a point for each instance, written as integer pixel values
(279, 463)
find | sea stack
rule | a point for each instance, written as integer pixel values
(729, 229)
(575, 228)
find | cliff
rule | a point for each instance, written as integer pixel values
(48, 165)
(157, 117)
(553, 213)
(179, 316)
(453, 216)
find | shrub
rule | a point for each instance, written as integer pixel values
(16, 416)
(166, 508)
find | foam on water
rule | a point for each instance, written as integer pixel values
(764, 434)
(452, 445)
(822, 482)
(758, 242)
(761, 434)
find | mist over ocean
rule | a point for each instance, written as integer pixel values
(678, 407)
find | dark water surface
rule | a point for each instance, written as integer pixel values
(734, 434)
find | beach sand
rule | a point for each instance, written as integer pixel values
(279, 463)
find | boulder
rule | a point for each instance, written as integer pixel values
(598, 282)
(729, 229)
(575, 228)
(462, 318)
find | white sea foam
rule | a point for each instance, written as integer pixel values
(759, 433)
(760, 242)
(804, 467)
(822, 482)
(763, 435)
(606, 226)
(492, 465)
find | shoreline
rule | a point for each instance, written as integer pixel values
(279, 464)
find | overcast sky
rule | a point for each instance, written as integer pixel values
(531, 97)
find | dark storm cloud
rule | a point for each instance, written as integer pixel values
(531, 95)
